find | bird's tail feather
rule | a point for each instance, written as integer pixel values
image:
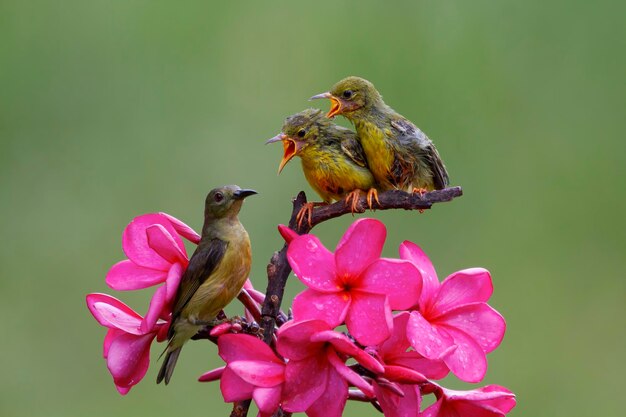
(167, 368)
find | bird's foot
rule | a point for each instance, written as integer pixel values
(372, 194)
(421, 192)
(307, 212)
(353, 200)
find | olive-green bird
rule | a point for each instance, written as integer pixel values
(332, 158)
(399, 154)
(216, 273)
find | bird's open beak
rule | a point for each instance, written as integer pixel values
(335, 104)
(241, 194)
(290, 148)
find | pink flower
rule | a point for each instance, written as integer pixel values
(354, 284)
(405, 369)
(252, 371)
(156, 254)
(453, 321)
(126, 346)
(316, 376)
(489, 401)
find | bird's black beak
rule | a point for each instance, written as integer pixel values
(241, 194)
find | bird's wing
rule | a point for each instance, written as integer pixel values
(352, 147)
(410, 135)
(201, 265)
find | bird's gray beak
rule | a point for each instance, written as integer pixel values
(319, 96)
(241, 194)
(276, 138)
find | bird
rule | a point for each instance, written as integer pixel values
(215, 275)
(399, 155)
(332, 159)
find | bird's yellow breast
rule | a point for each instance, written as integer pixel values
(224, 283)
(333, 175)
(378, 151)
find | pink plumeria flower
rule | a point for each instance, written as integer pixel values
(156, 254)
(126, 346)
(316, 376)
(354, 284)
(406, 368)
(453, 321)
(489, 401)
(252, 371)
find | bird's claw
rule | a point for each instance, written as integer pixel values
(372, 194)
(353, 200)
(421, 192)
(305, 211)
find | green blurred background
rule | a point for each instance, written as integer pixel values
(111, 109)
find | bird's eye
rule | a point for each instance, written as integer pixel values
(301, 133)
(347, 94)
(218, 197)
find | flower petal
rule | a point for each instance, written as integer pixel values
(305, 382)
(287, 233)
(397, 343)
(468, 361)
(259, 373)
(234, 388)
(369, 318)
(111, 335)
(157, 303)
(313, 264)
(126, 275)
(399, 280)
(212, 375)
(411, 252)
(394, 405)
(112, 313)
(480, 321)
(314, 305)
(403, 375)
(135, 241)
(493, 397)
(361, 245)
(163, 243)
(426, 339)
(128, 358)
(332, 402)
(182, 229)
(267, 400)
(348, 374)
(172, 282)
(294, 339)
(463, 287)
(430, 368)
(243, 347)
(342, 344)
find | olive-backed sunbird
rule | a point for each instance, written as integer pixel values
(398, 153)
(215, 275)
(332, 158)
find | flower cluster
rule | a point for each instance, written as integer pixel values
(405, 330)
(156, 256)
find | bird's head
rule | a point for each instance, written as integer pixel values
(299, 130)
(225, 201)
(349, 95)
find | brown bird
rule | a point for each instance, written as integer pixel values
(332, 158)
(216, 273)
(399, 154)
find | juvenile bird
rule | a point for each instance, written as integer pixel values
(332, 158)
(399, 154)
(216, 273)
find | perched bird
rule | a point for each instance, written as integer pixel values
(398, 154)
(216, 273)
(332, 158)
